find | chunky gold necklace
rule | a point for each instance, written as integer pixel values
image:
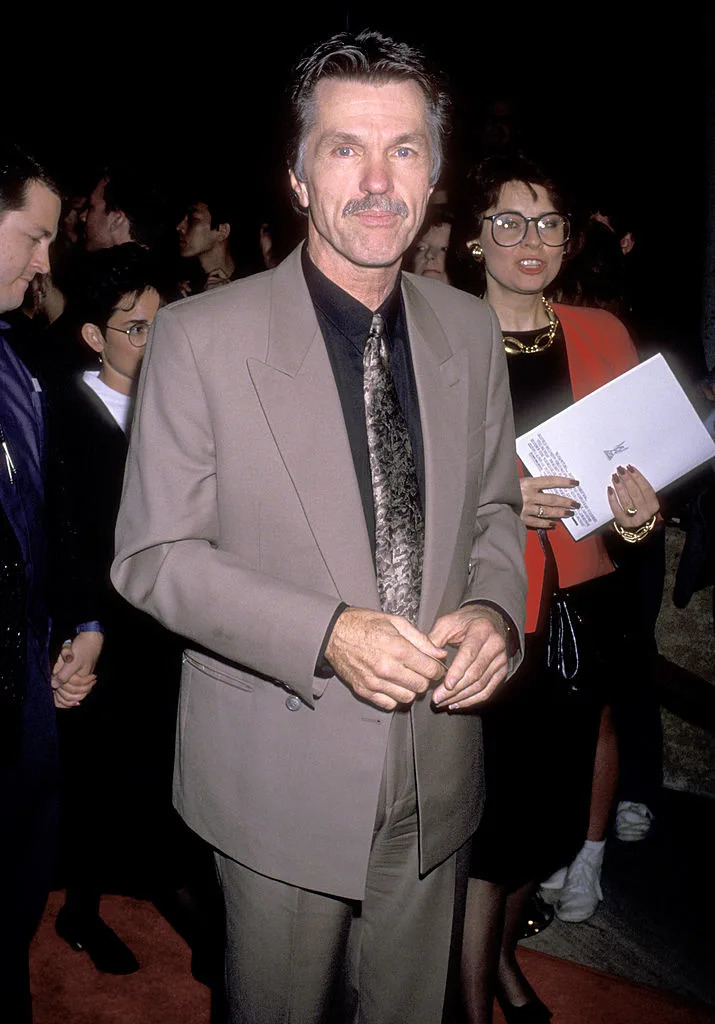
(540, 343)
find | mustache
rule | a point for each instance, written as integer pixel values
(383, 203)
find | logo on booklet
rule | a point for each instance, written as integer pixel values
(620, 447)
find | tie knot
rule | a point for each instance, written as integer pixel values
(377, 327)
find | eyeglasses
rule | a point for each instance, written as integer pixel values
(137, 333)
(510, 227)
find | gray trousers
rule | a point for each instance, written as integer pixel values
(299, 957)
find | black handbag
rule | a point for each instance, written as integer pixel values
(570, 646)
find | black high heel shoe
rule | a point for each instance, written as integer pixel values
(103, 946)
(538, 915)
(533, 1012)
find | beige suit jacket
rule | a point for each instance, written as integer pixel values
(242, 529)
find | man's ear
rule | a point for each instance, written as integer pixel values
(224, 230)
(627, 242)
(300, 190)
(119, 226)
(92, 335)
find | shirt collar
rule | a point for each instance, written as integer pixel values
(350, 317)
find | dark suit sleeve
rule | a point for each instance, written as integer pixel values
(83, 485)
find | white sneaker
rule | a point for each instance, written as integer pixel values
(555, 881)
(582, 892)
(633, 821)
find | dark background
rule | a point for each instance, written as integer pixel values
(615, 97)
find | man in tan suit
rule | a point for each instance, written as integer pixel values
(322, 744)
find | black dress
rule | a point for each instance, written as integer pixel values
(539, 741)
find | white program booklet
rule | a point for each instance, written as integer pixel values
(642, 417)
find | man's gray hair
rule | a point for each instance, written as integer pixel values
(375, 59)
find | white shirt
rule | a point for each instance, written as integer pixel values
(119, 405)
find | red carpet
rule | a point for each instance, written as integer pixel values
(66, 987)
(581, 995)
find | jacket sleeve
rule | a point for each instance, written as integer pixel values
(498, 573)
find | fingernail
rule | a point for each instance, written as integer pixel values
(621, 471)
(615, 478)
(568, 512)
(631, 469)
(576, 504)
(611, 491)
(575, 483)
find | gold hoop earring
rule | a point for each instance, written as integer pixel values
(476, 251)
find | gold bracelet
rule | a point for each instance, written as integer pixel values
(633, 536)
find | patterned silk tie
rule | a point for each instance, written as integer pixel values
(399, 520)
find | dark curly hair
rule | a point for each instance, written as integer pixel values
(104, 277)
(484, 187)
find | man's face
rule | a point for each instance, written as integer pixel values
(367, 170)
(97, 223)
(25, 237)
(196, 236)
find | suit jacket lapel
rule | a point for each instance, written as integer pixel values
(297, 391)
(441, 382)
(296, 388)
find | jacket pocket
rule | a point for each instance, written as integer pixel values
(236, 678)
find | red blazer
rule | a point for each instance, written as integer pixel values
(599, 348)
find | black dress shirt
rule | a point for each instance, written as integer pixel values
(345, 325)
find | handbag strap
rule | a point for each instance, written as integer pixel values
(551, 581)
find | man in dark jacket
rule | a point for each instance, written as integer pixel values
(29, 210)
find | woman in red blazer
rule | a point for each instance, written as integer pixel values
(541, 741)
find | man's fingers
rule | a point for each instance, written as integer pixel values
(471, 663)
(64, 699)
(78, 684)
(382, 658)
(398, 660)
(482, 652)
(455, 627)
(418, 639)
(480, 691)
(388, 694)
(64, 673)
(478, 679)
(450, 628)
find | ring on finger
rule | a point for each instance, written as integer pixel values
(631, 510)
(540, 513)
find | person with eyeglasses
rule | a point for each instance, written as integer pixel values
(541, 742)
(117, 825)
